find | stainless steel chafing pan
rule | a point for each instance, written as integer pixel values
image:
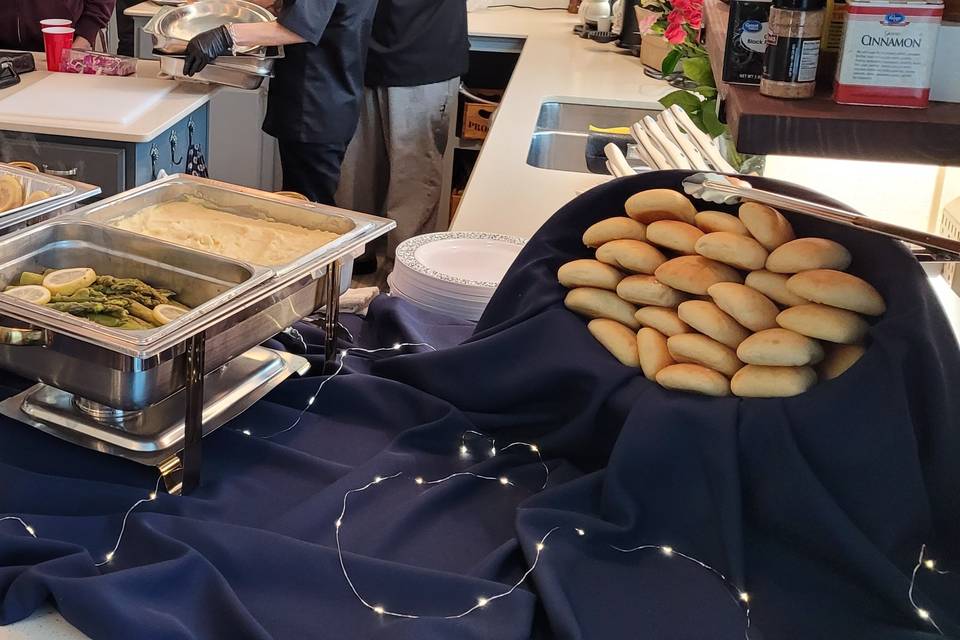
(249, 203)
(64, 194)
(97, 362)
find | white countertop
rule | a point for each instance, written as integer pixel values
(142, 10)
(185, 98)
(505, 194)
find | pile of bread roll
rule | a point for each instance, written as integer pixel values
(713, 303)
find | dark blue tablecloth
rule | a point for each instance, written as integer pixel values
(816, 505)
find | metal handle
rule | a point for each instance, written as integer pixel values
(13, 337)
(936, 248)
(66, 173)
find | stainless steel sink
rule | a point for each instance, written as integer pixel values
(561, 135)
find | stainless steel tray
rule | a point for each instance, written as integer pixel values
(203, 281)
(251, 203)
(63, 194)
(154, 434)
(172, 67)
(173, 27)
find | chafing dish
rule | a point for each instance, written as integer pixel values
(64, 194)
(173, 27)
(103, 388)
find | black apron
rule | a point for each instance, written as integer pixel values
(314, 96)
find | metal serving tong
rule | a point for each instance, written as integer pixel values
(926, 247)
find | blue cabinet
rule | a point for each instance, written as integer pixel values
(112, 166)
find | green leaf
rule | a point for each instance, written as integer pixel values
(711, 123)
(684, 99)
(698, 70)
(697, 120)
(707, 91)
(670, 62)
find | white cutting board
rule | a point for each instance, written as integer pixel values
(85, 98)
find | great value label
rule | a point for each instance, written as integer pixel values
(887, 53)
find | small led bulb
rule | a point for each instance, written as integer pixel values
(245, 432)
(338, 523)
(667, 551)
(929, 564)
(581, 532)
(312, 400)
(379, 610)
(745, 596)
(482, 602)
(396, 346)
(504, 480)
(923, 613)
(31, 531)
(534, 448)
(108, 557)
(418, 480)
(540, 546)
(463, 450)
(343, 354)
(377, 480)
(153, 495)
(493, 451)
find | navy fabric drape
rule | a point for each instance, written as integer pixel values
(816, 506)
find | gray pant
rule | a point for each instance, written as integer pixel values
(394, 164)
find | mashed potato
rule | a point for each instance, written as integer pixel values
(193, 225)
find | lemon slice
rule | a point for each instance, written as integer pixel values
(11, 193)
(165, 313)
(36, 196)
(30, 293)
(65, 282)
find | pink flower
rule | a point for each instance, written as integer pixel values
(645, 19)
(674, 33)
(695, 19)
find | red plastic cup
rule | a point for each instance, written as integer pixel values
(55, 41)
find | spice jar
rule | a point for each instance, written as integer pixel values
(793, 48)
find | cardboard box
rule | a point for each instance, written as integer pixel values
(477, 117)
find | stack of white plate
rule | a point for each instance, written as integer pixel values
(453, 273)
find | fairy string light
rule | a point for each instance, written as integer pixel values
(26, 527)
(343, 354)
(532, 448)
(739, 596)
(930, 565)
(123, 525)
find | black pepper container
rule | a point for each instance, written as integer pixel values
(793, 48)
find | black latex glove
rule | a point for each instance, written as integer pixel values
(206, 47)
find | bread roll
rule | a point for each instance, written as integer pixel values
(709, 319)
(839, 358)
(823, 322)
(631, 255)
(652, 350)
(600, 303)
(699, 349)
(838, 289)
(660, 204)
(747, 306)
(713, 221)
(694, 378)
(774, 286)
(664, 320)
(695, 274)
(589, 273)
(618, 339)
(804, 254)
(647, 290)
(734, 249)
(754, 381)
(619, 228)
(675, 235)
(780, 348)
(766, 224)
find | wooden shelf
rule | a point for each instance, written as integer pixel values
(820, 127)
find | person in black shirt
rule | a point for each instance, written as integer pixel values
(393, 167)
(314, 99)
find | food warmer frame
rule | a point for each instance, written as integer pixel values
(126, 379)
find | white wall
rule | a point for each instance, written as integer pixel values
(905, 194)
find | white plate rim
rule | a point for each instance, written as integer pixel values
(407, 249)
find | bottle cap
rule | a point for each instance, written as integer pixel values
(800, 5)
